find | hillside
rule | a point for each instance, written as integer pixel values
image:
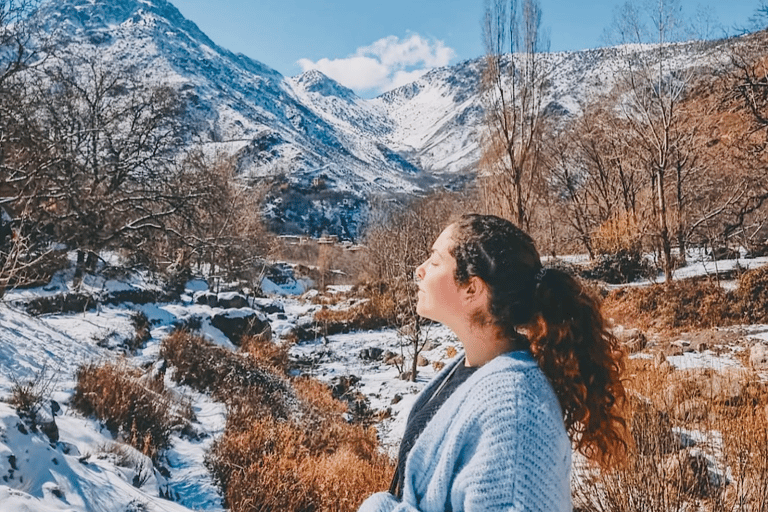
(310, 129)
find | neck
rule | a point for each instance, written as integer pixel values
(484, 343)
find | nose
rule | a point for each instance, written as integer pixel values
(418, 274)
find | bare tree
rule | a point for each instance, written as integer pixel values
(593, 175)
(654, 88)
(513, 86)
(101, 171)
(223, 231)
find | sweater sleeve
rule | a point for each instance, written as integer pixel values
(385, 502)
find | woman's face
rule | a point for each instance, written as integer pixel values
(439, 294)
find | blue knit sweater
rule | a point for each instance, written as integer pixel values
(498, 443)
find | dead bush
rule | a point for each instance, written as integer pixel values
(620, 233)
(377, 307)
(230, 377)
(623, 266)
(318, 395)
(137, 409)
(677, 305)
(714, 462)
(267, 353)
(752, 295)
(322, 464)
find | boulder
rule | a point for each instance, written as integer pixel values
(758, 356)
(688, 470)
(634, 339)
(228, 300)
(236, 323)
(206, 298)
(371, 353)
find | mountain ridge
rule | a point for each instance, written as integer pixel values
(310, 128)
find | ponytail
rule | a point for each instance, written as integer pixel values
(573, 346)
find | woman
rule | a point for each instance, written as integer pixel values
(540, 373)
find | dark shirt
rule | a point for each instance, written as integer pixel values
(423, 411)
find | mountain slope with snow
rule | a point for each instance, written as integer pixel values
(310, 128)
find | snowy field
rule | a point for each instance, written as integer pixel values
(85, 470)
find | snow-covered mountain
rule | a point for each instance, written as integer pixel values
(310, 128)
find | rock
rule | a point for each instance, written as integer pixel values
(700, 346)
(689, 471)
(394, 359)
(371, 353)
(758, 356)
(422, 361)
(63, 303)
(236, 323)
(725, 386)
(634, 339)
(50, 429)
(396, 399)
(271, 307)
(205, 298)
(228, 300)
(674, 350)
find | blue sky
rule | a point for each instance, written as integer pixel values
(373, 46)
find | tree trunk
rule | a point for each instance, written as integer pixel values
(666, 246)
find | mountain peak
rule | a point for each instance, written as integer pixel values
(316, 81)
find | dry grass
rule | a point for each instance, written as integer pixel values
(691, 304)
(267, 353)
(136, 409)
(286, 445)
(675, 306)
(238, 380)
(275, 465)
(701, 443)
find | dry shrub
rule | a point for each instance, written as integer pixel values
(228, 376)
(267, 353)
(752, 295)
(286, 445)
(318, 463)
(378, 307)
(133, 407)
(621, 233)
(717, 461)
(318, 395)
(745, 440)
(326, 262)
(343, 479)
(689, 304)
(368, 314)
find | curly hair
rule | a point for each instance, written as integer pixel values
(563, 324)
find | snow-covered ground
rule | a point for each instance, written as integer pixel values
(87, 470)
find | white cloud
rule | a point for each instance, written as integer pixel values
(387, 63)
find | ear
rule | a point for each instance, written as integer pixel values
(476, 292)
